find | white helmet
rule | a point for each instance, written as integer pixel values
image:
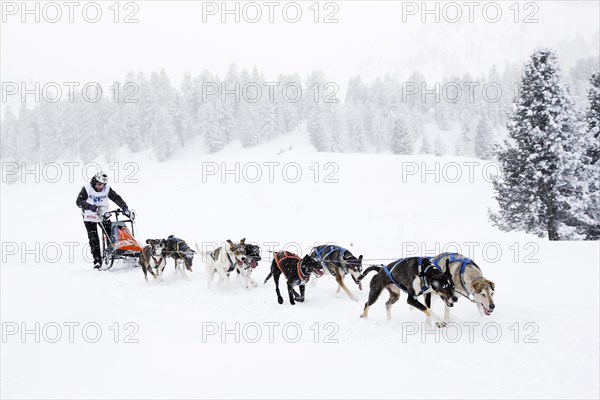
(102, 177)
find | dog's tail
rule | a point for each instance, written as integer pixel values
(268, 276)
(370, 269)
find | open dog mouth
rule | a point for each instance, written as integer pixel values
(448, 302)
(487, 311)
(318, 272)
(359, 283)
(253, 264)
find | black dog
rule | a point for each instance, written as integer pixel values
(252, 255)
(297, 272)
(178, 250)
(415, 276)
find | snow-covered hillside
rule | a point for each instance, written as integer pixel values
(541, 341)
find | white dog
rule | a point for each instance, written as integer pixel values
(226, 259)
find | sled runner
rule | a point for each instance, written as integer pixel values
(118, 240)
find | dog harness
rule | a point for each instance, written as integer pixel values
(178, 243)
(424, 284)
(231, 263)
(215, 254)
(463, 267)
(158, 262)
(330, 249)
(286, 255)
(179, 246)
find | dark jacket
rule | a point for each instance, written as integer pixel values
(112, 195)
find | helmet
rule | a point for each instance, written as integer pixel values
(101, 177)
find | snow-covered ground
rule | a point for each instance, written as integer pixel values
(164, 340)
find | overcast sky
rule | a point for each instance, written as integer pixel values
(370, 38)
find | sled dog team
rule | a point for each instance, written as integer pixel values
(444, 275)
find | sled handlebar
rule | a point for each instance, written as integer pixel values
(116, 212)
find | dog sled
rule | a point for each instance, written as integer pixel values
(118, 240)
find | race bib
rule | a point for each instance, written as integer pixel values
(91, 216)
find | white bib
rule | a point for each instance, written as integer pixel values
(99, 199)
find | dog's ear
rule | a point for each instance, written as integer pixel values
(243, 241)
(492, 284)
(360, 258)
(478, 286)
(230, 243)
(447, 271)
(148, 241)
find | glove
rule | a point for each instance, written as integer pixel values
(93, 207)
(129, 214)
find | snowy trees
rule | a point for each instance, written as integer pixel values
(426, 147)
(318, 129)
(541, 190)
(8, 140)
(402, 141)
(383, 115)
(484, 140)
(321, 113)
(148, 113)
(160, 122)
(187, 109)
(439, 147)
(591, 204)
(593, 119)
(151, 114)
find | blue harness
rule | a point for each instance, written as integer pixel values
(463, 267)
(424, 284)
(331, 249)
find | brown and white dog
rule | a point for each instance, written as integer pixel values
(339, 262)
(153, 259)
(226, 259)
(469, 282)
